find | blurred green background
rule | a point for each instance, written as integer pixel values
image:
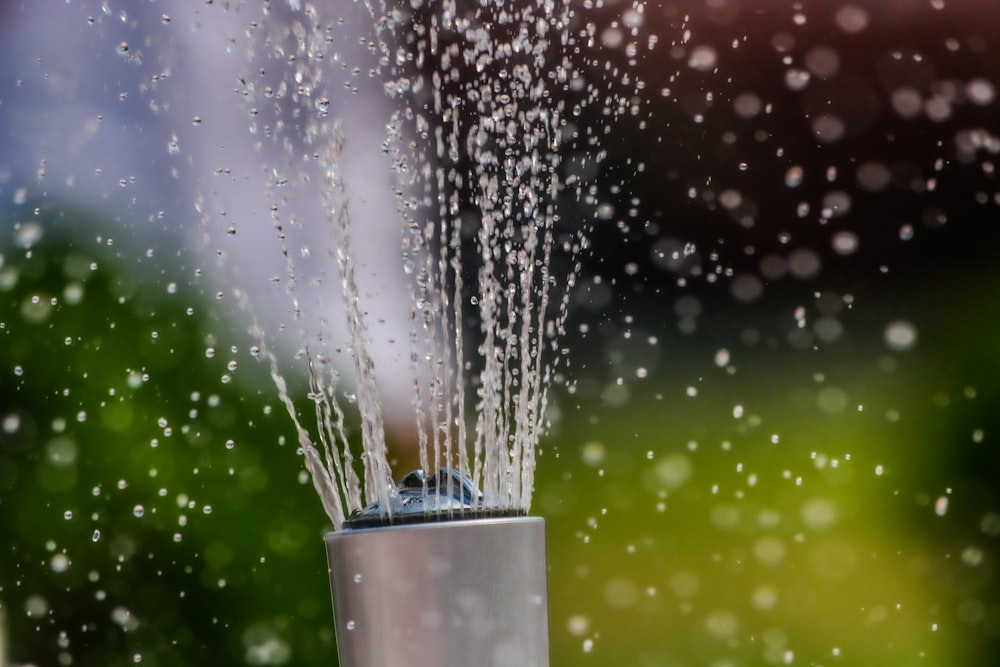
(779, 506)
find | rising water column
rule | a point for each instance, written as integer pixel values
(442, 588)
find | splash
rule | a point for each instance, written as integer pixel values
(474, 138)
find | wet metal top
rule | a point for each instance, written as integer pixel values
(418, 498)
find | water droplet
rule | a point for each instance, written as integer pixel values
(764, 597)
(900, 335)
(673, 470)
(804, 264)
(578, 625)
(873, 176)
(62, 451)
(27, 234)
(822, 61)
(593, 453)
(722, 624)
(703, 58)
(747, 105)
(819, 513)
(938, 108)
(746, 287)
(59, 563)
(828, 128)
(845, 243)
(793, 177)
(972, 556)
(906, 102)
(851, 19)
(980, 91)
(35, 606)
(11, 423)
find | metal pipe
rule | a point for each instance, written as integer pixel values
(446, 593)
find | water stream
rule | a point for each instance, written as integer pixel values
(475, 130)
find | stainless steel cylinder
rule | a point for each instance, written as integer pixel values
(447, 594)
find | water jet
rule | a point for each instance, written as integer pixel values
(432, 566)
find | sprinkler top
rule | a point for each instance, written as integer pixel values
(419, 498)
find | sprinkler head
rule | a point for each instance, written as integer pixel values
(440, 577)
(418, 498)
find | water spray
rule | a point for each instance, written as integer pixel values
(440, 580)
(441, 569)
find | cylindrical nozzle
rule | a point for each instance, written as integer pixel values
(448, 594)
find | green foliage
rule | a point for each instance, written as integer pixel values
(150, 506)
